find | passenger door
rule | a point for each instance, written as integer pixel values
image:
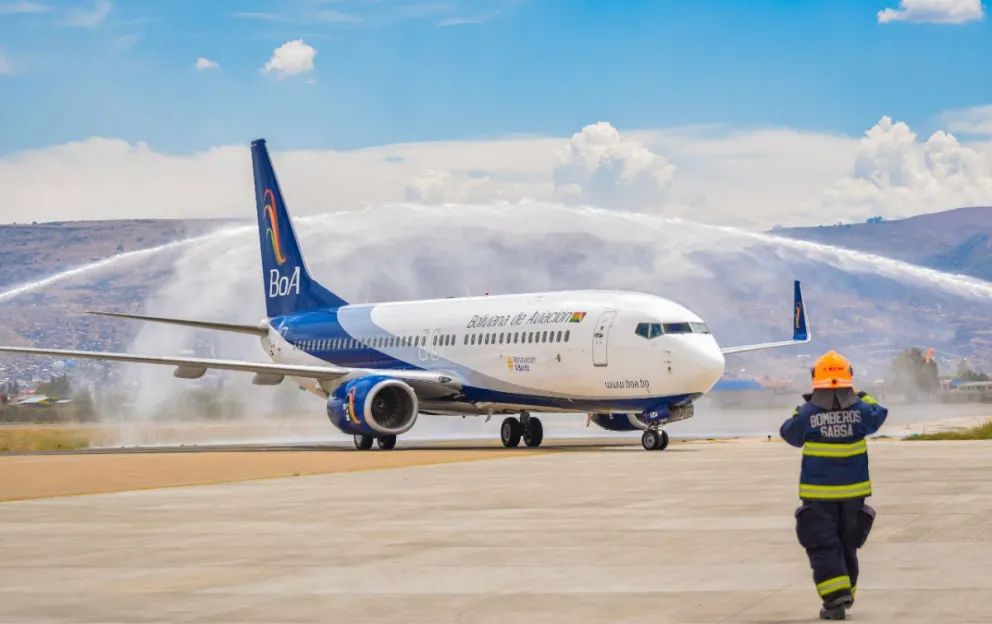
(435, 344)
(423, 350)
(601, 336)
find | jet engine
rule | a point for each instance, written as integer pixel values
(620, 422)
(374, 406)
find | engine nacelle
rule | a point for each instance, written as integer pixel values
(620, 422)
(375, 405)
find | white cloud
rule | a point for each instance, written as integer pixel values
(895, 175)
(270, 17)
(6, 69)
(336, 16)
(464, 21)
(933, 11)
(23, 6)
(81, 18)
(447, 187)
(756, 178)
(205, 63)
(974, 120)
(290, 59)
(597, 167)
(124, 43)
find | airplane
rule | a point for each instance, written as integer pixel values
(629, 361)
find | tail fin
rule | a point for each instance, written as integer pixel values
(288, 285)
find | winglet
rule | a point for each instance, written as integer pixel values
(800, 328)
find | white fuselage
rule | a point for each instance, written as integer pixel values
(543, 351)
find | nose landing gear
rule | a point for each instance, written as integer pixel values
(654, 440)
(528, 427)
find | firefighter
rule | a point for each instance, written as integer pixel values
(833, 520)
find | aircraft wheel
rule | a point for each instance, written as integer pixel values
(534, 432)
(650, 440)
(363, 442)
(510, 432)
(663, 443)
(386, 443)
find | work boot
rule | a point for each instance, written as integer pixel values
(834, 609)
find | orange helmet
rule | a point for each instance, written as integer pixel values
(832, 370)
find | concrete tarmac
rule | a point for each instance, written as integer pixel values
(701, 532)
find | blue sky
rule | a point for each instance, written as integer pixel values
(390, 71)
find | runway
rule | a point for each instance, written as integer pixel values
(701, 532)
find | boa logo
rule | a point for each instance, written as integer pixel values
(281, 285)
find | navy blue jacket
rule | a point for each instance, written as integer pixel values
(831, 427)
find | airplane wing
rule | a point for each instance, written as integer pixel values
(800, 329)
(195, 367)
(255, 330)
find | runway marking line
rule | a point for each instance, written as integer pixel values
(7, 476)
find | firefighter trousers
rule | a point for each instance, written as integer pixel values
(832, 532)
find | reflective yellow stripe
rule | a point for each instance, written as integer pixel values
(854, 589)
(869, 400)
(829, 449)
(831, 492)
(830, 586)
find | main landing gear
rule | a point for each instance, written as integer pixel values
(527, 427)
(654, 440)
(364, 442)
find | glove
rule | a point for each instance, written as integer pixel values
(808, 396)
(862, 394)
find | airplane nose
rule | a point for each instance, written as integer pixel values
(708, 364)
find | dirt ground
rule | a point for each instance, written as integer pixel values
(42, 476)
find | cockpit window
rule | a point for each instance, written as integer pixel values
(653, 330)
(648, 330)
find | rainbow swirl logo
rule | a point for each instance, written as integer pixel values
(351, 407)
(269, 202)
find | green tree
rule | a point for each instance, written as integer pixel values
(914, 376)
(57, 388)
(964, 373)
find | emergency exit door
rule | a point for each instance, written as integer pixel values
(601, 338)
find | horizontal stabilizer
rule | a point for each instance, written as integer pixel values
(800, 328)
(255, 330)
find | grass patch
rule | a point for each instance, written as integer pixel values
(978, 432)
(23, 439)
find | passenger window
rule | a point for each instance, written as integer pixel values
(487, 338)
(567, 332)
(466, 339)
(501, 337)
(559, 336)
